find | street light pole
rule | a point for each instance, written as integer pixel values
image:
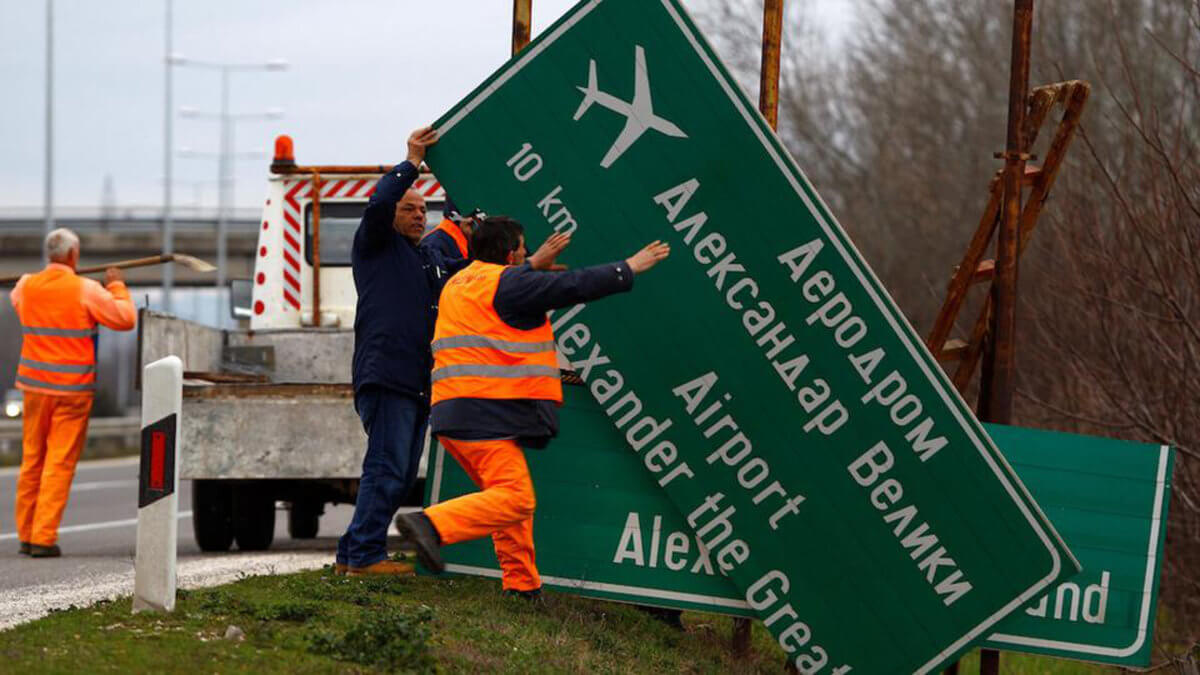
(223, 179)
(48, 224)
(225, 147)
(168, 224)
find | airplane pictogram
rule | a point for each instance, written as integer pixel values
(639, 113)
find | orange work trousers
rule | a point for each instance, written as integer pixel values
(503, 508)
(55, 429)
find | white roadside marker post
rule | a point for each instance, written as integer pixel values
(158, 487)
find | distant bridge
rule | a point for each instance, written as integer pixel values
(124, 233)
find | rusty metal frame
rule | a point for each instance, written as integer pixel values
(1072, 96)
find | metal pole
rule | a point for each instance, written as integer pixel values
(1001, 390)
(522, 24)
(223, 189)
(168, 224)
(772, 42)
(768, 104)
(997, 406)
(48, 214)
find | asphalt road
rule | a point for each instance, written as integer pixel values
(98, 536)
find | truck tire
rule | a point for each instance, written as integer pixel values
(304, 518)
(212, 515)
(253, 518)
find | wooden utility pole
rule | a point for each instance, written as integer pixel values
(522, 24)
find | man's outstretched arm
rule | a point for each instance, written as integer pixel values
(525, 294)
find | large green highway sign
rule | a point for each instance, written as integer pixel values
(762, 376)
(608, 531)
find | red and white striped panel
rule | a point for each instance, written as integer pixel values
(292, 235)
(429, 186)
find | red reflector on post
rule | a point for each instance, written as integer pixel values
(158, 450)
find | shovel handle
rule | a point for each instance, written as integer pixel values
(124, 264)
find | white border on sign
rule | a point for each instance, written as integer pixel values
(1148, 587)
(1033, 514)
(610, 588)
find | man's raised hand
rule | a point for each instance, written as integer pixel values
(418, 142)
(543, 258)
(648, 257)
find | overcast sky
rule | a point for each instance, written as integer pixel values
(362, 74)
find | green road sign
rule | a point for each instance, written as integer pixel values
(762, 375)
(1109, 500)
(608, 531)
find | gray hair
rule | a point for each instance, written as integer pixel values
(60, 243)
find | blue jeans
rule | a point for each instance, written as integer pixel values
(395, 426)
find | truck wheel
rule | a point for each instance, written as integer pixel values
(304, 518)
(253, 518)
(212, 515)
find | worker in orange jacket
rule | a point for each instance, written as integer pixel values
(496, 388)
(59, 311)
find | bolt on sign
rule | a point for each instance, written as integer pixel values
(769, 384)
(610, 532)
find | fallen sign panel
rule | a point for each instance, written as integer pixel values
(1109, 500)
(770, 386)
(609, 532)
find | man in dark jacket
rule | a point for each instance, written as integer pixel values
(496, 388)
(398, 283)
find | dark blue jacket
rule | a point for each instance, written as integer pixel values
(523, 297)
(398, 285)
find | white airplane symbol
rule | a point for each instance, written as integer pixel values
(640, 113)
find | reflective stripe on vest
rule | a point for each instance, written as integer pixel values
(494, 371)
(54, 385)
(60, 332)
(59, 367)
(58, 345)
(483, 341)
(477, 355)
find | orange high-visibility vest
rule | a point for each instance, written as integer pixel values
(455, 233)
(477, 355)
(58, 347)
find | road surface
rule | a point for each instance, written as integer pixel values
(98, 535)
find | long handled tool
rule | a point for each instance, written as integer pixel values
(186, 260)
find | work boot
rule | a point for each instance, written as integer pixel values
(24, 550)
(383, 567)
(52, 551)
(420, 532)
(340, 568)
(534, 595)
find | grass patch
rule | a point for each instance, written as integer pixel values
(315, 622)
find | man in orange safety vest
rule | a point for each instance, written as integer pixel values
(59, 312)
(496, 388)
